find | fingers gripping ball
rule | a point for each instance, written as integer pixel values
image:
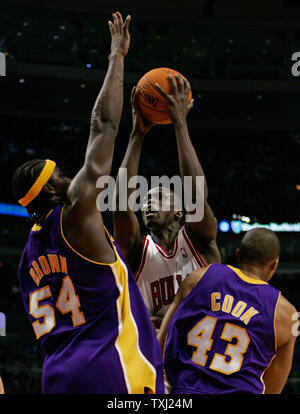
(153, 105)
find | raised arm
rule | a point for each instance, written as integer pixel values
(126, 225)
(105, 118)
(277, 373)
(203, 232)
(185, 288)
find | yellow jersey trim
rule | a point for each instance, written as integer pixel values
(139, 373)
(81, 255)
(247, 279)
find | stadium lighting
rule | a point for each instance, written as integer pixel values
(236, 226)
(224, 226)
(13, 210)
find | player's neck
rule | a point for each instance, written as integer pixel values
(252, 271)
(165, 237)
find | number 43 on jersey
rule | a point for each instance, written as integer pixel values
(200, 336)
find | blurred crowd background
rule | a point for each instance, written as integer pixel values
(245, 123)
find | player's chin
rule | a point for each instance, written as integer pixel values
(152, 224)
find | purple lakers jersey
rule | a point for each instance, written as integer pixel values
(221, 338)
(89, 318)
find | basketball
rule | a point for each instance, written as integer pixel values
(153, 105)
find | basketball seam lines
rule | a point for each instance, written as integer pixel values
(151, 107)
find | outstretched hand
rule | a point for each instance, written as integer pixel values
(178, 105)
(141, 125)
(120, 36)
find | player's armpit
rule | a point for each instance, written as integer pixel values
(207, 228)
(204, 234)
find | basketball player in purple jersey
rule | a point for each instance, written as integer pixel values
(229, 331)
(170, 252)
(79, 294)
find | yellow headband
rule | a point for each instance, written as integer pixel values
(42, 179)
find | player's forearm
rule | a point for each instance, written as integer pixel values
(274, 381)
(105, 119)
(131, 160)
(108, 107)
(188, 161)
(133, 154)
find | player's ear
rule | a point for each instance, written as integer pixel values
(238, 254)
(49, 188)
(273, 265)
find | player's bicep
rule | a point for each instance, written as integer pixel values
(207, 228)
(126, 230)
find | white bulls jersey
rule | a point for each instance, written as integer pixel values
(160, 273)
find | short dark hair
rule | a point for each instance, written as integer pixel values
(23, 179)
(259, 245)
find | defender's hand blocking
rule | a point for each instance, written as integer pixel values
(178, 106)
(120, 37)
(141, 126)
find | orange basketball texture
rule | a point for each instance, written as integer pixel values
(153, 105)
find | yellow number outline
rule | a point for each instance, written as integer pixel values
(49, 314)
(36, 311)
(236, 352)
(239, 349)
(194, 334)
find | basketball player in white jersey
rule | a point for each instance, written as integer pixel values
(170, 252)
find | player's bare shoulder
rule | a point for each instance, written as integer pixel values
(191, 280)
